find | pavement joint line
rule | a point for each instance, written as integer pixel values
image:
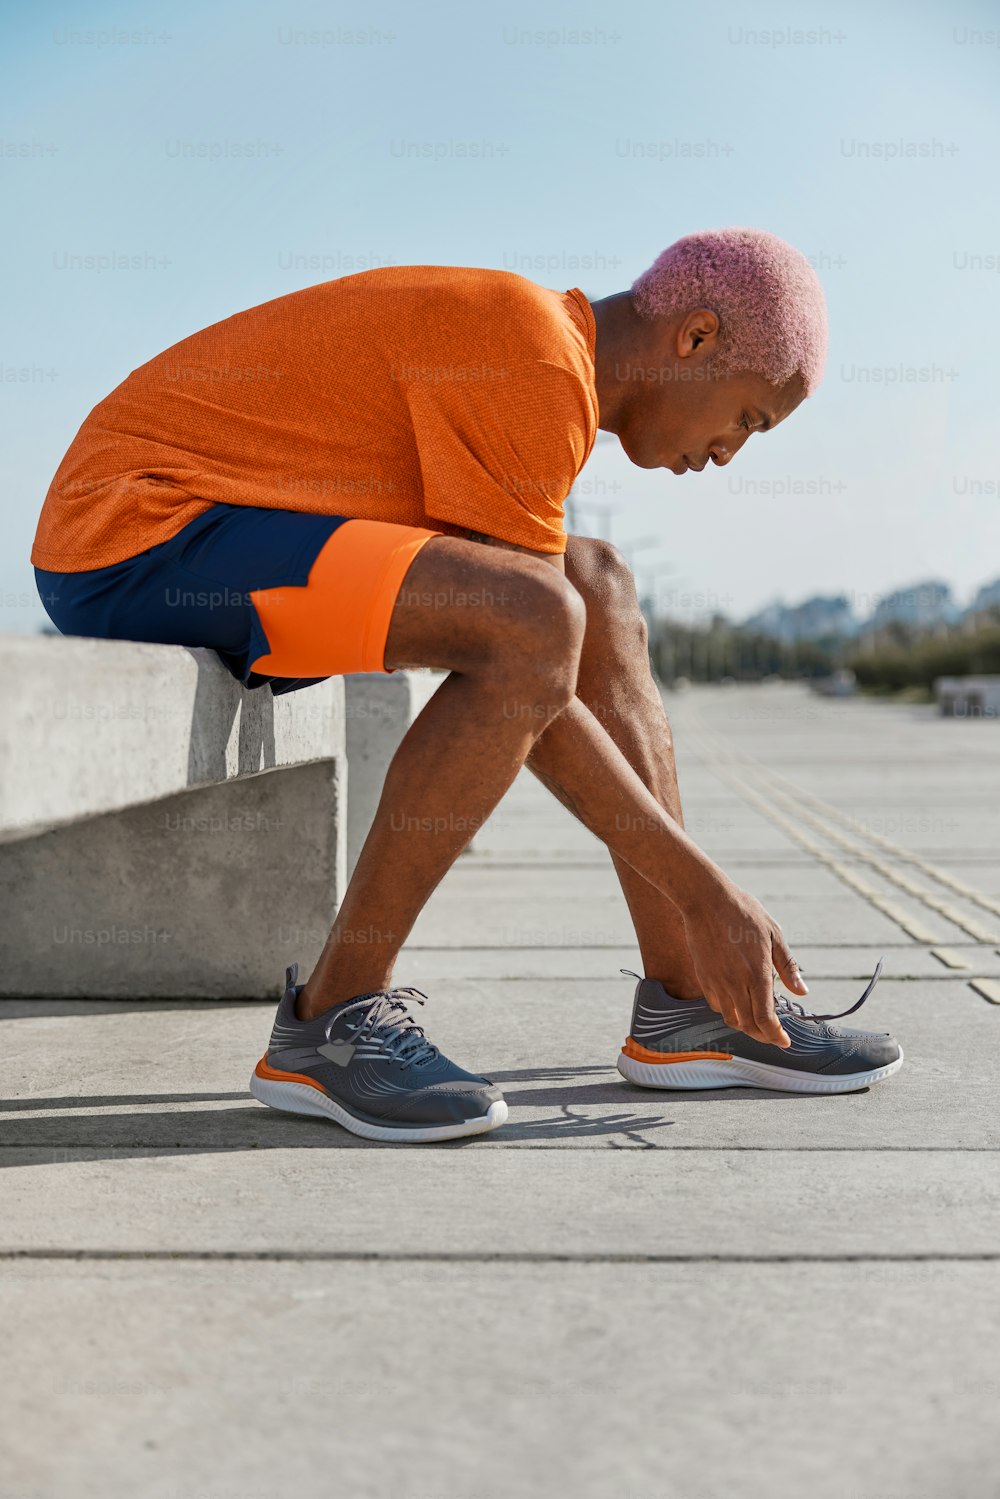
(82, 1008)
(726, 768)
(618, 947)
(832, 978)
(101, 1152)
(489, 1257)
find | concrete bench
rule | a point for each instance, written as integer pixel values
(164, 833)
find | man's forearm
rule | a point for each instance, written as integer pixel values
(582, 766)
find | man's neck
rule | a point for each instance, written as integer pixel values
(616, 320)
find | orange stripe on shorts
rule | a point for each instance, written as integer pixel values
(338, 622)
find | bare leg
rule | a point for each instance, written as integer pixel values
(616, 684)
(510, 629)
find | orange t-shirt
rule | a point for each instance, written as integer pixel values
(416, 394)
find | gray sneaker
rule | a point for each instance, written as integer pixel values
(684, 1043)
(367, 1065)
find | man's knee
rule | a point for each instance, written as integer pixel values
(605, 581)
(540, 637)
(475, 609)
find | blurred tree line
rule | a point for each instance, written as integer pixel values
(708, 653)
(890, 659)
(895, 660)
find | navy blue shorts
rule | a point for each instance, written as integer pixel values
(256, 586)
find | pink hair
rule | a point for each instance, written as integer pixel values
(766, 294)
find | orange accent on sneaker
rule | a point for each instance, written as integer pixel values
(273, 1075)
(662, 1058)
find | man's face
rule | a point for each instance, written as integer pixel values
(683, 419)
(673, 411)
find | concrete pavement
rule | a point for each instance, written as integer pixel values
(621, 1294)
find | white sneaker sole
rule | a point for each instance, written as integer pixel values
(741, 1073)
(300, 1098)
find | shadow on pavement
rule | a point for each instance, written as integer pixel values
(64, 1136)
(59, 1140)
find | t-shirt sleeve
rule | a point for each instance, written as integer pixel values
(500, 449)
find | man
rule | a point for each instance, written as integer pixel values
(369, 474)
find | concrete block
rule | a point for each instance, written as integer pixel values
(165, 833)
(92, 726)
(206, 894)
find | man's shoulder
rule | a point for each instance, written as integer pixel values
(459, 280)
(503, 307)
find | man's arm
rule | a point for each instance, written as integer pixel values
(734, 944)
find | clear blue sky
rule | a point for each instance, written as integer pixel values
(572, 143)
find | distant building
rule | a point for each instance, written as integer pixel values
(988, 597)
(920, 606)
(818, 618)
(968, 697)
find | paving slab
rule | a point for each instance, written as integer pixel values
(487, 1203)
(479, 908)
(501, 1381)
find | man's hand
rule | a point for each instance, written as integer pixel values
(735, 948)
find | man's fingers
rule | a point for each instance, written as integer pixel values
(762, 1025)
(785, 965)
(731, 1013)
(768, 1024)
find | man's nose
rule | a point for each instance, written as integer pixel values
(722, 453)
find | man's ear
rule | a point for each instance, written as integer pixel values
(697, 333)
